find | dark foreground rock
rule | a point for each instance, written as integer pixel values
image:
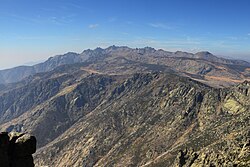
(16, 149)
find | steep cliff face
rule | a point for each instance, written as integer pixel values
(16, 150)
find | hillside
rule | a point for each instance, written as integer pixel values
(140, 119)
(174, 92)
(150, 120)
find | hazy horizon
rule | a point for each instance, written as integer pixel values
(32, 31)
(31, 63)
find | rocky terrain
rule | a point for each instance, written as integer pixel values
(202, 66)
(16, 150)
(129, 107)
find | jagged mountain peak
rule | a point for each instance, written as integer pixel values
(113, 47)
(98, 49)
(66, 55)
(200, 63)
(205, 55)
(183, 54)
(148, 48)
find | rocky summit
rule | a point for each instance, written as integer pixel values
(16, 150)
(123, 107)
(202, 66)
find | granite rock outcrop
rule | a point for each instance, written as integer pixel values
(16, 149)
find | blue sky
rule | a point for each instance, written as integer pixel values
(33, 30)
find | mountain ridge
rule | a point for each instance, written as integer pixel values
(133, 107)
(18, 73)
(130, 120)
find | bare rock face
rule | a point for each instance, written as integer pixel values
(16, 149)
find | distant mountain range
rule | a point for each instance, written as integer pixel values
(202, 65)
(131, 107)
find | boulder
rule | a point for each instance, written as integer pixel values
(16, 149)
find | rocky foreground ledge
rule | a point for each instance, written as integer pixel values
(16, 149)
